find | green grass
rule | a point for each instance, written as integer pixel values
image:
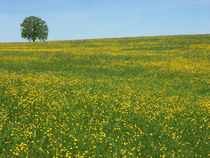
(124, 97)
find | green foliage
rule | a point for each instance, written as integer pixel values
(34, 28)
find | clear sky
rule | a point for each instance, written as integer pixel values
(85, 19)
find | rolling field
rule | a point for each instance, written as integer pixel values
(123, 97)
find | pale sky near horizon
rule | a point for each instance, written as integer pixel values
(87, 19)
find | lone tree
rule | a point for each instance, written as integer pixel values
(34, 28)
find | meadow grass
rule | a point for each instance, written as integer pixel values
(123, 97)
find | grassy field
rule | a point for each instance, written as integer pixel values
(125, 97)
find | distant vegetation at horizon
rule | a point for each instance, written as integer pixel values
(115, 37)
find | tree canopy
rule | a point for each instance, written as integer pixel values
(33, 28)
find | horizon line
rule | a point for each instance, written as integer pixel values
(111, 38)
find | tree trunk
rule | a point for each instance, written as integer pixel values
(33, 38)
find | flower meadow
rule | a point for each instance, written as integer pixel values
(121, 97)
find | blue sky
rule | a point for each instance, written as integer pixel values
(86, 19)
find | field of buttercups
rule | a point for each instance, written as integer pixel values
(123, 97)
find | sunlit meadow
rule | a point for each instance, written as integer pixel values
(125, 97)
